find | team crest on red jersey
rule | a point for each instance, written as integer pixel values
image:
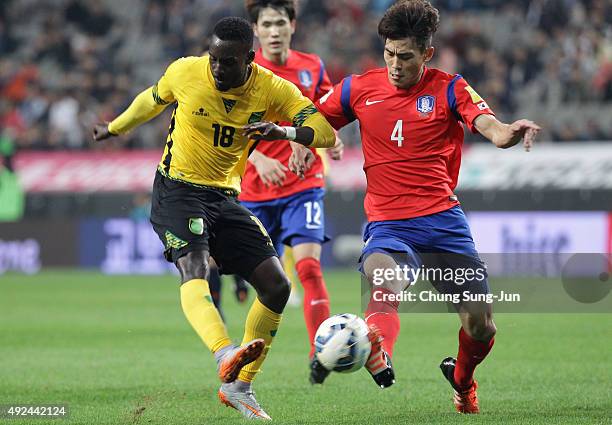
(425, 104)
(305, 78)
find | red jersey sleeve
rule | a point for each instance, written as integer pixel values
(324, 85)
(336, 104)
(465, 103)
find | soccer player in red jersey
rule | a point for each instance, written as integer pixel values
(411, 119)
(290, 207)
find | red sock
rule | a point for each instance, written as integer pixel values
(471, 353)
(316, 299)
(384, 315)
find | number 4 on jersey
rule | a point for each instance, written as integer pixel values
(397, 136)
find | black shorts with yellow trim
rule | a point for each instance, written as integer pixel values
(189, 217)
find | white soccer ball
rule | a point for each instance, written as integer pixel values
(342, 344)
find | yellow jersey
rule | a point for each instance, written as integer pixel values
(205, 145)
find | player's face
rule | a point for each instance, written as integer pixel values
(405, 61)
(229, 62)
(274, 30)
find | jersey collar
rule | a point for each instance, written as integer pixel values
(260, 59)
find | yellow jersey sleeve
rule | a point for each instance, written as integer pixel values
(288, 104)
(147, 105)
(162, 91)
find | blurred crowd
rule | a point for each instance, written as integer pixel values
(65, 64)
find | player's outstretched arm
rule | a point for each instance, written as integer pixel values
(144, 107)
(269, 131)
(507, 135)
(301, 158)
(317, 134)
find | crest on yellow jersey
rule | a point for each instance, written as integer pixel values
(256, 117)
(229, 104)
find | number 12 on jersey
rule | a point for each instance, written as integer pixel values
(397, 136)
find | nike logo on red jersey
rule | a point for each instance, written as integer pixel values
(372, 102)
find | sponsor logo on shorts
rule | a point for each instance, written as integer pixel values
(196, 225)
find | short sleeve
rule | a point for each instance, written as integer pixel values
(336, 104)
(465, 103)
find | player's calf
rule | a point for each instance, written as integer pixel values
(272, 285)
(476, 339)
(316, 298)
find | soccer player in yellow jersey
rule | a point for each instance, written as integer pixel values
(223, 104)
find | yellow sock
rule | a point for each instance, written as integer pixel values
(202, 314)
(260, 323)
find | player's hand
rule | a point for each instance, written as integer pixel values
(301, 159)
(101, 132)
(337, 152)
(270, 170)
(522, 129)
(264, 131)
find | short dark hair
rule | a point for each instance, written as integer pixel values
(254, 7)
(416, 19)
(234, 29)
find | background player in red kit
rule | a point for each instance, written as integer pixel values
(290, 206)
(410, 118)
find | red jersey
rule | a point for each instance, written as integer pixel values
(411, 138)
(307, 72)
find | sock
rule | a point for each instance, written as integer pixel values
(202, 314)
(261, 322)
(471, 353)
(214, 284)
(384, 315)
(316, 299)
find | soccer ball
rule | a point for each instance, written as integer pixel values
(342, 344)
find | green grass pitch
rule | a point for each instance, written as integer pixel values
(118, 350)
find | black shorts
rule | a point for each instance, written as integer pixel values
(191, 218)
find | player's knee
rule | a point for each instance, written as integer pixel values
(272, 285)
(482, 330)
(392, 285)
(193, 265)
(280, 289)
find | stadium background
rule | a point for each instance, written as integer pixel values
(73, 212)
